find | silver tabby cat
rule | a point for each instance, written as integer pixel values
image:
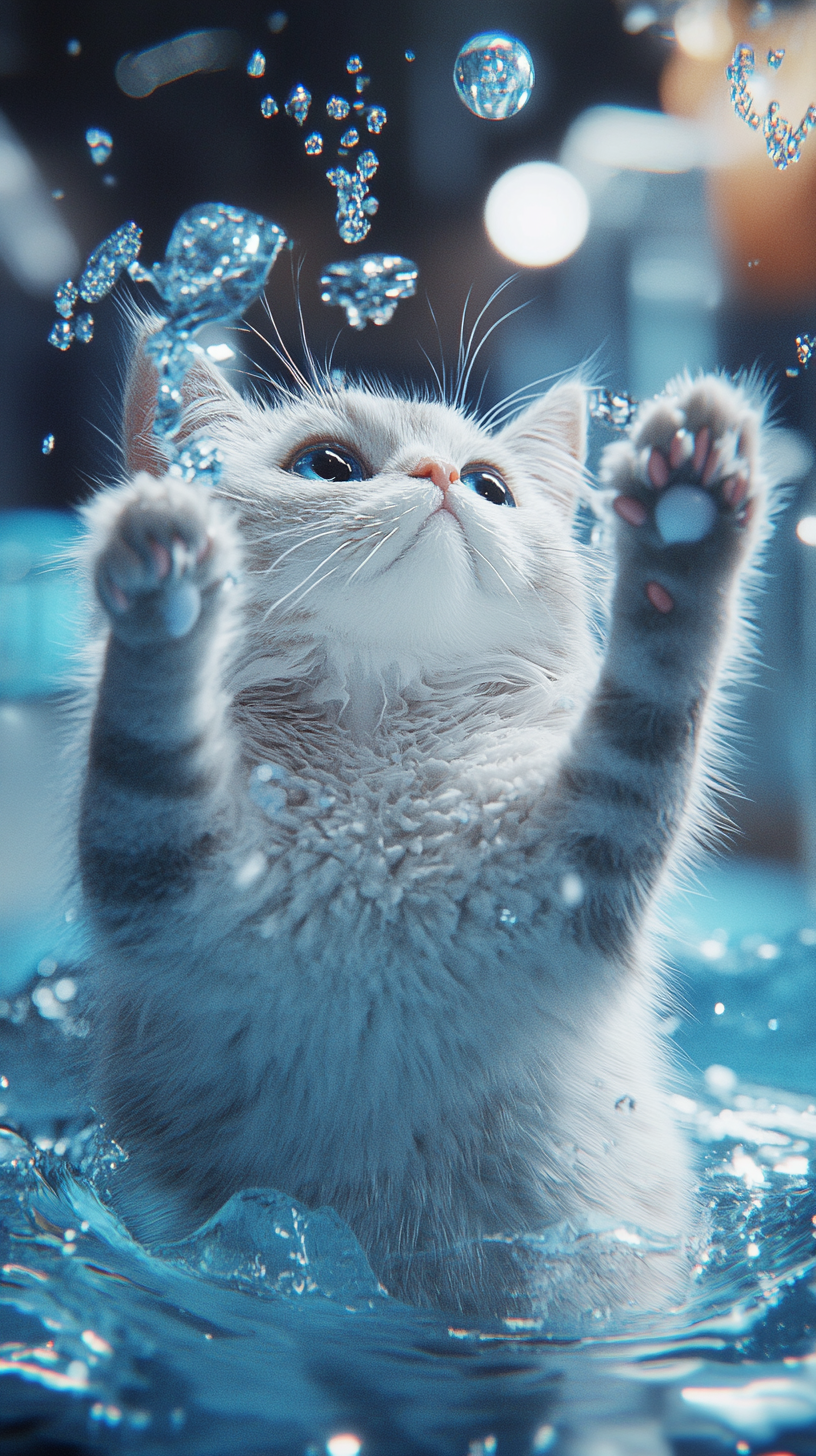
(371, 832)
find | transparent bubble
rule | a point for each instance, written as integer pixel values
(65, 298)
(314, 144)
(107, 261)
(62, 335)
(376, 117)
(350, 138)
(369, 287)
(48, 444)
(269, 106)
(298, 104)
(100, 145)
(494, 75)
(84, 327)
(354, 65)
(256, 65)
(337, 108)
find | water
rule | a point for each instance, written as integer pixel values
(100, 145)
(337, 108)
(782, 140)
(313, 144)
(355, 205)
(269, 106)
(65, 299)
(256, 65)
(354, 65)
(267, 1330)
(48, 444)
(805, 344)
(350, 138)
(376, 117)
(107, 262)
(775, 59)
(361, 84)
(410, 55)
(298, 103)
(494, 75)
(612, 407)
(84, 327)
(62, 334)
(369, 287)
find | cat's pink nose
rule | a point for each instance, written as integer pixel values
(441, 472)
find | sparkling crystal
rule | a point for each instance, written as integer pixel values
(48, 444)
(314, 144)
(361, 84)
(73, 47)
(410, 55)
(354, 205)
(371, 206)
(139, 274)
(100, 144)
(108, 261)
(354, 65)
(369, 287)
(376, 117)
(805, 344)
(337, 108)
(298, 104)
(494, 75)
(65, 298)
(256, 65)
(350, 138)
(775, 59)
(84, 327)
(62, 335)
(269, 106)
(782, 140)
(612, 407)
(199, 460)
(367, 164)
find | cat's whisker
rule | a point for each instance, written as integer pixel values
(380, 543)
(307, 541)
(466, 362)
(477, 351)
(320, 580)
(313, 572)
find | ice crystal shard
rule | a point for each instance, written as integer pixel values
(100, 145)
(256, 65)
(62, 335)
(350, 138)
(494, 75)
(269, 106)
(612, 407)
(783, 141)
(354, 205)
(107, 261)
(376, 117)
(354, 65)
(65, 298)
(775, 59)
(805, 344)
(369, 287)
(313, 144)
(298, 104)
(337, 108)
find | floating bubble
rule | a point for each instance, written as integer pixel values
(84, 327)
(354, 205)
(73, 47)
(354, 65)
(805, 344)
(612, 407)
(361, 84)
(100, 145)
(350, 138)
(337, 108)
(107, 261)
(410, 55)
(314, 144)
(256, 65)
(65, 298)
(277, 21)
(494, 75)
(298, 104)
(369, 287)
(62, 335)
(48, 444)
(376, 117)
(269, 106)
(775, 59)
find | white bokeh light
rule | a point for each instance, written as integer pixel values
(537, 214)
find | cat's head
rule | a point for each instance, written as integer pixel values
(396, 533)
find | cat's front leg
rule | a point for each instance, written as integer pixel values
(159, 759)
(690, 502)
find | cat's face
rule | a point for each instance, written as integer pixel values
(400, 534)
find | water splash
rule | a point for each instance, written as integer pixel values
(269, 106)
(256, 65)
(355, 206)
(298, 103)
(369, 287)
(494, 75)
(100, 145)
(783, 141)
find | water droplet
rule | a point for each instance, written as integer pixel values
(58, 194)
(354, 65)
(100, 145)
(84, 327)
(65, 298)
(73, 47)
(48, 444)
(269, 106)
(256, 65)
(361, 84)
(61, 335)
(792, 373)
(277, 21)
(507, 918)
(613, 407)
(805, 344)
(354, 205)
(775, 59)
(107, 261)
(376, 117)
(494, 75)
(314, 144)
(337, 108)
(369, 287)
(350, 138)
(298, 104)
(410, 55)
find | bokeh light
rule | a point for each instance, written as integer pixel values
(537, 214)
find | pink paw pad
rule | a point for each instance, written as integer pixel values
(659, 597)
(629, 510)
(658, 470)
(701, 445)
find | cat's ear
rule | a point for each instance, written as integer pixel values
(206, 395)
(549, 440)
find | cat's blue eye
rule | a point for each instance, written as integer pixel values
(488, 484)
(328, 462)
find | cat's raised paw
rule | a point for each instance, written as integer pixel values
(161, 554)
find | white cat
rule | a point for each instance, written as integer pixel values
(370, 835)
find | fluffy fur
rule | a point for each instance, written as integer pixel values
(406, 972)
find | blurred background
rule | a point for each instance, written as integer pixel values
(698, 254)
